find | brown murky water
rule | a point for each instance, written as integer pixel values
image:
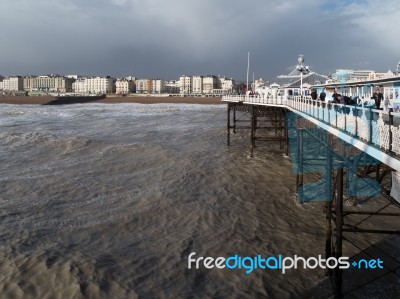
(107, 201)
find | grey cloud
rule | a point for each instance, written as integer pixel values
(165, 39)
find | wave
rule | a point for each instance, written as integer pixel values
(44, 139)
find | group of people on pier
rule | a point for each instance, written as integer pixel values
(377, 97)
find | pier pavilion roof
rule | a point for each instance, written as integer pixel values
(395, 79)
(294, 79)
(301, 74)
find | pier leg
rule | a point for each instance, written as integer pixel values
(378, 171)
(252, 131)
(234, 119)
(339, 233)
(279, 125)
(328, 229)
(229, 125)
(299, 180)
(328, 207)
(286, 122)
(255, 130)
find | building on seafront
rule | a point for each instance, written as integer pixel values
(227, 85)
(100, 85)
(158, 86)
(48, 83)
(1, 82)
(209, 84)
(150, 86)
(186, 85)
(197, 84)
(141, 86)
(12, 83)
(172, 86)
(344, 75)
(125, 86)
(94, 85)
(79, 85)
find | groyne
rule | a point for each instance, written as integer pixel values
(66, 100)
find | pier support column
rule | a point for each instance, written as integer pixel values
(339, 232)
(234, 119)
(328, 229)
(252, 133)
(299, 179)
(282, 128)
(328, 207)
(229, 125)
(286, 128)
(378, 171)
(255, 129)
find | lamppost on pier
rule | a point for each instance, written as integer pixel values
(303, 69)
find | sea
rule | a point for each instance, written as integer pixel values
(109, 200)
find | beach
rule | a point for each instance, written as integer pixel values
(41, 100)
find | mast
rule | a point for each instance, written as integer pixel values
(248, 67)
(254, 84)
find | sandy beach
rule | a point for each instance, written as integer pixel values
(40, 100)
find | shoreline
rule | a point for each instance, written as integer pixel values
(42, 100)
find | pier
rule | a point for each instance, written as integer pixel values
(342, 155)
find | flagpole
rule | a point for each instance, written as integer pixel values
(254, 84)
(248, 67)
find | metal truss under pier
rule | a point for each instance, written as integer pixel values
(265, 123)
(342, 155)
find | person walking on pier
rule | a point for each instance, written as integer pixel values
(322, 95)
(376, 100)
(387, 105)
(314, 95)
(335, 97)
(380, 98)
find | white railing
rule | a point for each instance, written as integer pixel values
(375, 127)
(266, 100)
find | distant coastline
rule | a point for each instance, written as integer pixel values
(42, 100)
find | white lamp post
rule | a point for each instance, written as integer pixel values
(303, 69)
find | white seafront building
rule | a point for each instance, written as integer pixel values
(141, 85)
(150, 86)
(79, 85)
(197, 84)
(172, 86)
(209, 83)
(124, 86)
(226, 85)
(185, 84)
(205, 84)
(1, 82)
(48, 83)
(157, 86)
(94, 85)
(100, 85)
(12, 83)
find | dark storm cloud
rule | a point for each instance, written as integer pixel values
(166, 39)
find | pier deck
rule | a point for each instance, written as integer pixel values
(337, 175)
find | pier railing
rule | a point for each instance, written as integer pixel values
(374, 127)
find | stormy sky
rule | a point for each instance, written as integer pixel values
(165, 39)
